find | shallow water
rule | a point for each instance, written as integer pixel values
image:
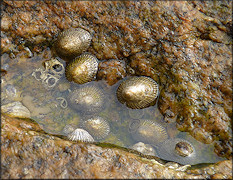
(50, 109)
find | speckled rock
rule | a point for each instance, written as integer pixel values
(184, 46)
(28, 152)
(111, 71)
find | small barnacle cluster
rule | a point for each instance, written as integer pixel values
(52, 73)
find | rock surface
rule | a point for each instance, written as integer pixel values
(28, 152)
(185, 47)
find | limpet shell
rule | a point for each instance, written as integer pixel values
(80, 135)
(178, 150)
(136, 113)
(82, 69)
(147, 131)
(138, 92)
(97, 126)
(146, 149)
(69, 128)
(16, 109)
(183, 148)
(72, 42)
(87, 99)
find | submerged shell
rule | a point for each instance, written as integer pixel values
(136, 113)
(148, 132)
(82, 69)
(69, 128)
(138, 92)
(72, 42)
(97, 126)
(80, 135)
(87, 99)
(16, 109)
(144, 148)
(178, 150)
(183, 149)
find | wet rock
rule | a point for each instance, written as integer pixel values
(28, 152)
(185, 47)
(111, 71)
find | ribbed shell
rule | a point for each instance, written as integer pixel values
(148, 132)
(97, 126)
(87, 99)
(72, 42)
(82, 69)
(69, 128)
(80, 135)
(166, 150)
(138, 92)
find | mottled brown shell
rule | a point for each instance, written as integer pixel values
(72, 42)
(148, 132)
(178, 150)
(138, 92)
(97, 126)
(183, 148)
(87, 99)
(82, 69)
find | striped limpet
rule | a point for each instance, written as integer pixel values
(148, 132)
(97, 126)
(72, 42)
(138, 92)
(80, 135)
(82, 69)
(87, 99)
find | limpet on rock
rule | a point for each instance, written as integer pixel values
(178, 150)
(87, 99)
(72, 42)
(97, 126)
(138, 92)
(80, 135)
(148, 132)
(82, 69)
